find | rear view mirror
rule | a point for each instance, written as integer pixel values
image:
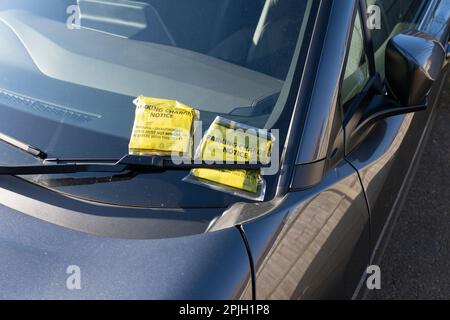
(414, 61)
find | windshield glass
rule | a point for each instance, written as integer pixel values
(70, 70)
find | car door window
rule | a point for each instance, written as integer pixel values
(357, 68)
(395, 17)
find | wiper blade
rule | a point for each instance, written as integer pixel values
(127, 163)
(35, 152)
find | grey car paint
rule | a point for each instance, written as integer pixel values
(314, 242)
(35, 256)
(317, 135)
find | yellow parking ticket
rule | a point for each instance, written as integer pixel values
(162, 127)
(229, 141)
(239, 179)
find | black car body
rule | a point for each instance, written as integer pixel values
(327, 212)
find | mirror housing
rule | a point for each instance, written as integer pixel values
(414, 61)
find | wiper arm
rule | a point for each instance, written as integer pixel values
(35, 152)
(127, 163)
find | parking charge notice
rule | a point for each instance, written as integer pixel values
(162, 127)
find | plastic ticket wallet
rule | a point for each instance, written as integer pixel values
(162, 127)
(227, 141)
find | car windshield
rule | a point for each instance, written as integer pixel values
(70, 70)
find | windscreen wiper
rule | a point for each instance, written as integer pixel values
(127, 163)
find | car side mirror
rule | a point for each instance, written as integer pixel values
(414, 61)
